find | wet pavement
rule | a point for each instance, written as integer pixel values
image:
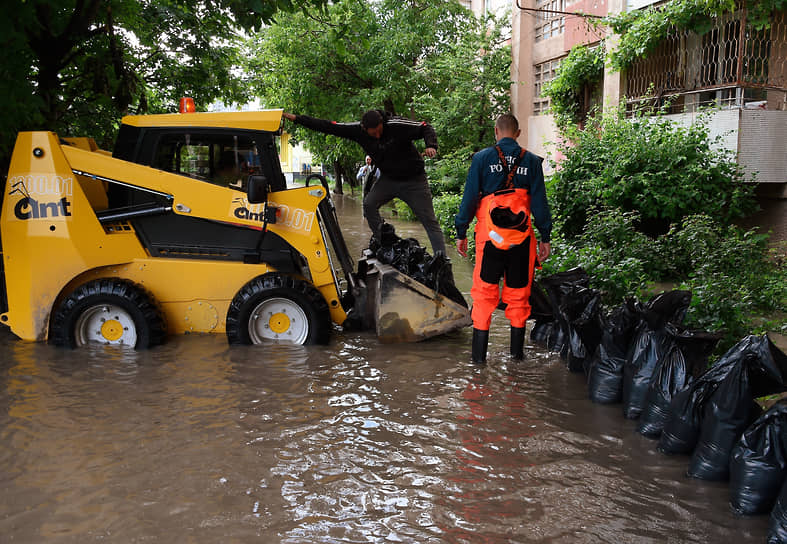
(198, 441)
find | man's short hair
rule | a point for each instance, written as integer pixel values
(371, 119)
(507, 123)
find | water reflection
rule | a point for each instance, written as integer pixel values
(198, 441)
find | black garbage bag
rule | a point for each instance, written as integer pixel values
(648, 347)
(728, 412)
(605, 373)
(760, 369)
(410, 258)
(580, 309)
(686, 355)
(575, 276)
(684, 416)
(758, 464)
(440, 278)
(557, 286)
(671, 376)
(540, 306)
(386, 238)
(777, 528)
(646, 350)
(558, 341)
(541, 331)
(666, 307)
(386, 255)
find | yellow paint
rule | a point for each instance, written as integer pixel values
(279, 323)
(111, 330)
(198, 315)
(267, 120)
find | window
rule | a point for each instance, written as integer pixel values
(220, 159)
(543, 73)
(549, 23)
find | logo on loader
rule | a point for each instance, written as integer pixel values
(28, 207)
(286, 217)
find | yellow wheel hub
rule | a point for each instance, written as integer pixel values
(111, 330)
(279, 323)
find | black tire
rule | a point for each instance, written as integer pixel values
(278, 307)
(108, 311)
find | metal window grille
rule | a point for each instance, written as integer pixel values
(732, 63)
(549, 24)
(542, 73)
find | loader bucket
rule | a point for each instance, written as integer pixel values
(401, 309)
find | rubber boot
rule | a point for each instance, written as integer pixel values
(480, 343)
(517, 342)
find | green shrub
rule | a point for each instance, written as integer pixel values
(612, 252)
(734, 279)
(448, 174)
(650, 165)
(403, 211)
(732, 275)
(445, 208)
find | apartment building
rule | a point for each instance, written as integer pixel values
(733, 67)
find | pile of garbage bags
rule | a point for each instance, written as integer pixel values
(641, 356)
(412, 259)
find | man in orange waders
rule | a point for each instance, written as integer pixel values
(504, 187)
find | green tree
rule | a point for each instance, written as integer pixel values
(469, 88)
(75, 66)
(424, 60)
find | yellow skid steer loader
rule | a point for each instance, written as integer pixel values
(188, 226)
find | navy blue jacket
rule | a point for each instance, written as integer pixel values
(486, 176)
(394, 153)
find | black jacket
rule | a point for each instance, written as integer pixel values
(394, 153)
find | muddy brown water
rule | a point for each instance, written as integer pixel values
(196, 441)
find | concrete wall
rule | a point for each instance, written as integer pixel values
(522, 66)
(542, 137)
(580, 30)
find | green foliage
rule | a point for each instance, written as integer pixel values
(760, 12)
(445, 207)
(417, 60)
(448, 174)
(611, 251)
(76, 67)
(467, 85)
(650, 165)
(622, 176)
(731, 274)
(581, 69)
(403, 211)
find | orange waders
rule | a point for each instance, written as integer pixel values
(507, 253)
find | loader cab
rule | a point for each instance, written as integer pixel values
(222, 156)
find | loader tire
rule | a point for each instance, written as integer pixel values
(107, 311)
(278, 307)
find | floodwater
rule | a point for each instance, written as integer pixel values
(199, 442)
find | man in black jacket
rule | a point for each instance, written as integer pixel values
(389, 142)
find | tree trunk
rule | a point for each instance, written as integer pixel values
(389, 106)
(339, 171)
